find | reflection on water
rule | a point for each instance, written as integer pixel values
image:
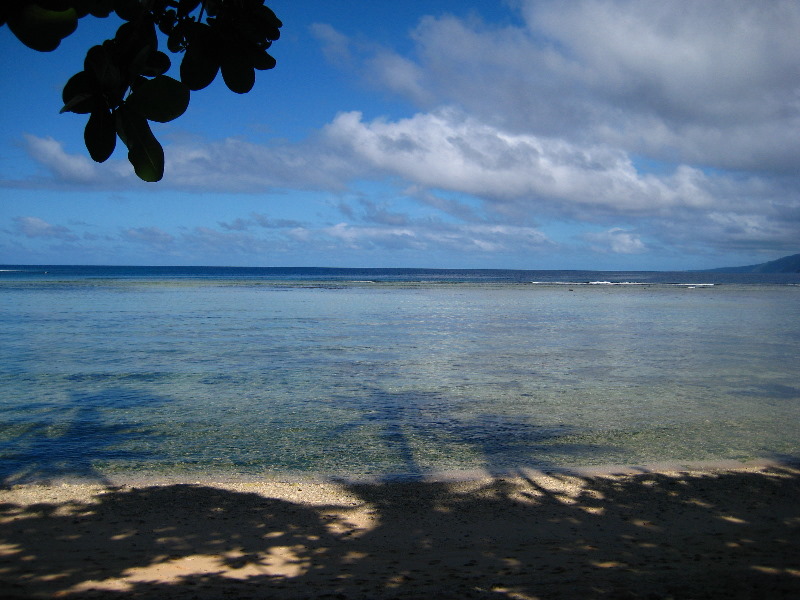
(391, 380)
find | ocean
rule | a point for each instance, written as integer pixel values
(111, 373)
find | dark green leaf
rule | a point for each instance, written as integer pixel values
(213, 7)
(100, 135)
(80, 104)
(144, 152)
(175, 40)
(238, 73)
(128, 10)
(80, 94)
(100, 63)
(161, 99)
(101, 8)
(187, 6)
(263, 60)
(141, 46)
(198, 67)
(55, 4)
(97, 8)
(157, 63)
(135, 42)
(42, 29)
(167, 21)
(138, 81)
(268, 23)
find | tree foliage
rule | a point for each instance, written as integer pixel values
(123, 85)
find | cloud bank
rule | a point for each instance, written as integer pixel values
(647, 125)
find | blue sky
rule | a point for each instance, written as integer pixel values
(597, 134)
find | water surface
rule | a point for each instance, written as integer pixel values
(400, 373)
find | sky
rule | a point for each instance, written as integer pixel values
(526, 134)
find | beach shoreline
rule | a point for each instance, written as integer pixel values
(138, 478)
(675, 531)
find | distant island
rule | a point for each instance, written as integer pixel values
(787, 264)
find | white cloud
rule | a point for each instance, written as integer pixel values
(703, 59)
(34, 227)
(70, 167)
(335, 45)
(549, 120)
(366, 237)
(714, 81)
(450, 151)
(76, 169)
(236, 165)
(616, 240)
(229, 165)
(400, 75)
(436, 236)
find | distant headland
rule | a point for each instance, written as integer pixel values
(787, 264)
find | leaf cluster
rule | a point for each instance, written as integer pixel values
(123, 85)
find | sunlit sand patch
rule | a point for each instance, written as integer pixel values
(735, 520)
(593, 510)
(563, 485)
(775, 570)
(278, 561)
(697, 502)
(513, 594)
(9, 549)
(608, 564)
(350, 523)
(354, 557)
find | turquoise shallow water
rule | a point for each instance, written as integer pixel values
(253, 376)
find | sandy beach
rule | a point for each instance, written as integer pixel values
(710, 533)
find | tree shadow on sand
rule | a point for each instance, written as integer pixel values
(732, 534)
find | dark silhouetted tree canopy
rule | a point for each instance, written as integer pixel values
(123, 85)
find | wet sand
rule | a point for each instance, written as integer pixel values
(628, 533)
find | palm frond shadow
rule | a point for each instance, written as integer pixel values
(68, 440)
(406, 424)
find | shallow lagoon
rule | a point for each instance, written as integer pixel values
(281, 376)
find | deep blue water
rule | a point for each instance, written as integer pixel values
(195, 371)
(310, 274)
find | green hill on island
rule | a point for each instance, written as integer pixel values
(787, 264)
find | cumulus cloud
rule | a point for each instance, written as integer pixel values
(448, 150)
(437, 236)
(335, 45)
(206, 244)
(76, 169)
(616, 240)
(228, 165)
(400, 75)
(554, 116)
(235, 165)
(559, 116)
(358, 238)
(70, 167)
(714, 82)
(34, 227)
